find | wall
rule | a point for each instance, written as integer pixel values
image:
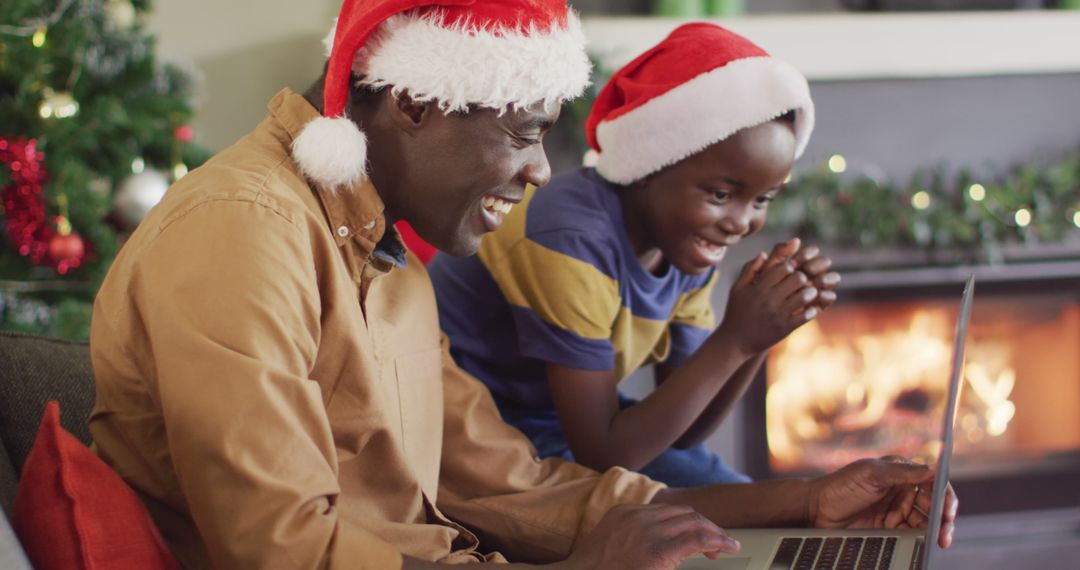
(242, 52)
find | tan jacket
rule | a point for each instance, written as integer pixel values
(283, 398)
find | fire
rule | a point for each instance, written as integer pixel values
(865, 390)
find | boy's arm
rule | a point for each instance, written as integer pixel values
(601, 435)
(815, 266)
(719, 408)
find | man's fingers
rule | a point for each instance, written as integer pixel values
(692, 533)
(948, 517)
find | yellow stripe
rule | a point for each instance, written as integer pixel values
(638, 341)
(563, 291)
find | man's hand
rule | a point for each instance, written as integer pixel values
(649, 537)
(880, 493)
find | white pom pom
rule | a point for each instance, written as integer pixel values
(591, 158)
(331, 152)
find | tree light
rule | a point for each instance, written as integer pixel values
(977, 192)
(39, 36)
(179, 171)
(837, 163)
(921, 200)
(1076, 219)
(1023, 217)
(138, 165)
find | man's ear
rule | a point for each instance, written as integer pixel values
(406, 113)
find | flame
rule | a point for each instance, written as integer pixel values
(834, 397)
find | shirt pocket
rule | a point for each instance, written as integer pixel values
(420, 397)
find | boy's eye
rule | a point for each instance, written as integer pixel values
(718, 195)
(765, 199)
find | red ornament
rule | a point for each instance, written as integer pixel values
(67, 252)
(184, 133)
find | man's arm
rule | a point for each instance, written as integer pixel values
(233, 338)
(870, 493)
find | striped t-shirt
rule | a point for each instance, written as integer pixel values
(560, 283)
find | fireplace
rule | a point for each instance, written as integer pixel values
(868, 378)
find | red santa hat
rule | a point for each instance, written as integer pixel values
(497, 54)
(697, 87)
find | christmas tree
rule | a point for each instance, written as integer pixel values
(92, 131)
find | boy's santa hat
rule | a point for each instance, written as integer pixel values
(699, 86)
(497, 54)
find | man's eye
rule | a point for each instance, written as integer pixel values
(524, 141)
(765, 199)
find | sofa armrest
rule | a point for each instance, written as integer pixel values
(11, 552)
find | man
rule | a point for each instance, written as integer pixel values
(271, 376)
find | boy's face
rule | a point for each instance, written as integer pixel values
(694, 210)
(464, 170)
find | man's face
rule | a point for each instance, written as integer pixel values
(693, 211)
(462, 172)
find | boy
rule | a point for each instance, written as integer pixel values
(606, 270)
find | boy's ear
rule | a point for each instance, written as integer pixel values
(406, 113)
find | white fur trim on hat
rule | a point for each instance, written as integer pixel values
(458, 65)
(332, 152)
(709, 108)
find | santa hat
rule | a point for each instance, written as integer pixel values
(496, 54)
(697, 87)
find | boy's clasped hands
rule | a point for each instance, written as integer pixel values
(777, 293)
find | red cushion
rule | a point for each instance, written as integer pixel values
(73, 512)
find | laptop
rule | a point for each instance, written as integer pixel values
(821, 549)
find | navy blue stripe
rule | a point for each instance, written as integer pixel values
(560, 346)
(685, 341)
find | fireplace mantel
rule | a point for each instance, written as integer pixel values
(851, 46)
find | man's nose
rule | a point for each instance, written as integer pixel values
(537, 169)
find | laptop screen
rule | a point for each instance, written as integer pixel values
(941, 478)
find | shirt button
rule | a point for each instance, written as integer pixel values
(343, 231)
(370, 225)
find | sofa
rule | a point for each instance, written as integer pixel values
(33, 371)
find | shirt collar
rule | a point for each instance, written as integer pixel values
(354, 214)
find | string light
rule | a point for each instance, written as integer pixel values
(1076, 219)
(977, 192)
(39, 36)
(921, 200)
(138, 165)
(58, 105)
(837, 163)
(179, 171)
(1023, 217)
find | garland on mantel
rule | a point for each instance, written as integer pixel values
(1033, 206)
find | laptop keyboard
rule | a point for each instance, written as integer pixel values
(852, 553)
